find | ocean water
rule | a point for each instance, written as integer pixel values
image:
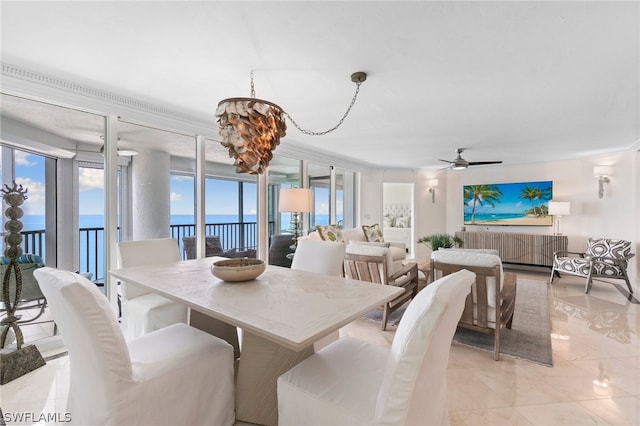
(36, 223)
(94, 240)
(91, 239)
(493, 216)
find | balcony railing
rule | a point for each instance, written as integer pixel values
(240, 235)
(33, 242)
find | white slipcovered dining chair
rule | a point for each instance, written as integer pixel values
(323, 257)
(351, 382)
(143, 311)
(176, 375)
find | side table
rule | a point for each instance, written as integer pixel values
(424, 266)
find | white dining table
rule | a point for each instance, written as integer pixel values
(281, 314)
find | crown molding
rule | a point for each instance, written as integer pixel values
(20, 81)
(92, 92)
(39, 86)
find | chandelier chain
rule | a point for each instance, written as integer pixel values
(253, 88)
(311, 132)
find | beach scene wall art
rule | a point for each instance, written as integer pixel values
(519, 203)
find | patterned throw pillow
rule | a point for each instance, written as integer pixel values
(330, 233)
(403, 222)
(373, 233)
(389, 221)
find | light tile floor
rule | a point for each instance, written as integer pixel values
(595, 378)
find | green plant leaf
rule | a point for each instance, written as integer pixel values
(435, 241)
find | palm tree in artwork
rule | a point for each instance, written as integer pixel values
(547, 195)
(481, 195)
(530, 193)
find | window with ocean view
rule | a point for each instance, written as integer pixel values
(91, 219)
(28, 169)
(61, 155)
(155, 188)
(230, 210)
(319, 182)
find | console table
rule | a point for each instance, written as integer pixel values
(526, 249)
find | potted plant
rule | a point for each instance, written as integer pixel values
(435, 241)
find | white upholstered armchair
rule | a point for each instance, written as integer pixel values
(31, 296)
(375, 264)
(489, 308)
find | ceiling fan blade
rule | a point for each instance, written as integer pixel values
(479, 163)
(446, 161)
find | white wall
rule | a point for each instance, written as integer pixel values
(616, 215)
(397, 193)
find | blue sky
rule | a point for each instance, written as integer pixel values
(220, 195)
(30, 169)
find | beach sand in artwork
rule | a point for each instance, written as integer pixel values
(530, 220)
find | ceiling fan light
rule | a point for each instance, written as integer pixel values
(460, 163)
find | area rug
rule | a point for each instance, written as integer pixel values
(529, 337)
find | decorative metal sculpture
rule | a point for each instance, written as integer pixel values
(22, 360)
(14, 197)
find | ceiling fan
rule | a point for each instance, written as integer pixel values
(460, 163)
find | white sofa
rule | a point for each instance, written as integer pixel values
(357, 236)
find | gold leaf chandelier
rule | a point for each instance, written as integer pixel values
(251, 128)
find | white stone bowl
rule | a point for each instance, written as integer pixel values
(234, 270)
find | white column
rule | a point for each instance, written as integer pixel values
(200, 197)
(111, 206)
(332, 195)
(263, 217)
(150, 195)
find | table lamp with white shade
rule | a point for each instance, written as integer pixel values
(559, 209)
(295, 201)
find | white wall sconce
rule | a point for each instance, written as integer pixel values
(433, 184)
(559, 209)
(602, 173)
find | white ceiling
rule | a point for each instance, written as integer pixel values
(512, 81)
